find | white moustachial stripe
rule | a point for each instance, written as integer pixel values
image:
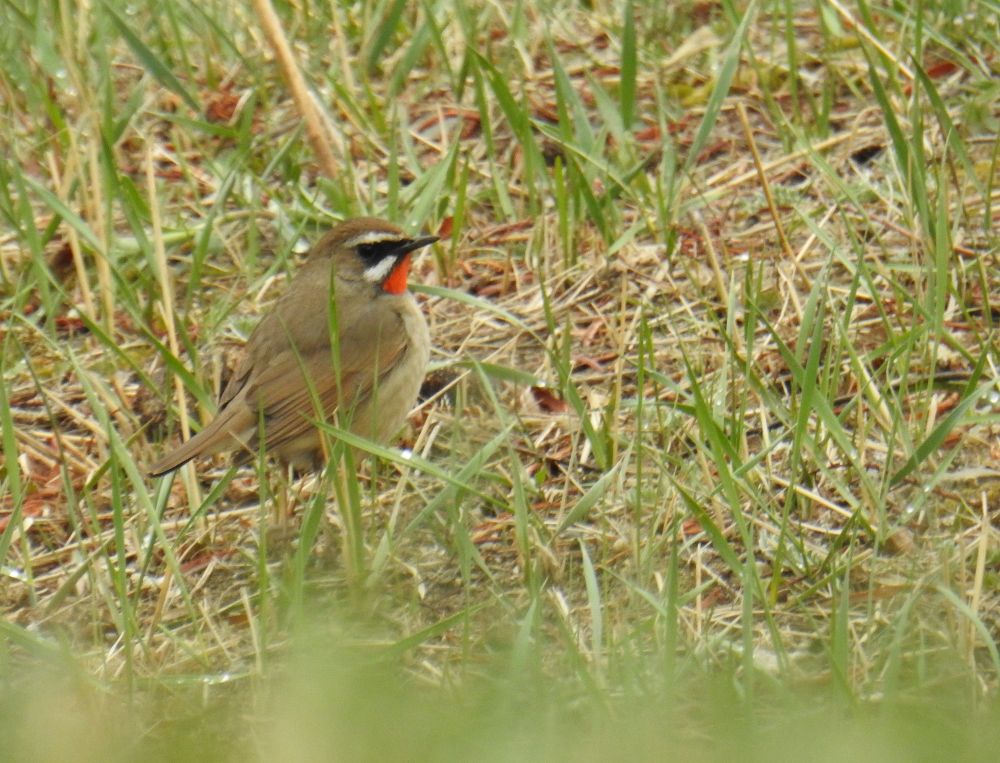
(378, 272)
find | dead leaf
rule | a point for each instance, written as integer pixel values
(548, 401)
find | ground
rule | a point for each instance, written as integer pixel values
(713, 399)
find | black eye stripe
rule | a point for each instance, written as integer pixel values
(379, 250)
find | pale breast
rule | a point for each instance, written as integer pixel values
(397, 391)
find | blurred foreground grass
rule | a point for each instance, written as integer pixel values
(337, 696)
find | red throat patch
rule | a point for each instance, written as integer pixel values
(395, 282)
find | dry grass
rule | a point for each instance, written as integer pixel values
(716, 349)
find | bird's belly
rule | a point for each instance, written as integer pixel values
(382, 415)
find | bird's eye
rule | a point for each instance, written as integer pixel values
(378, 250)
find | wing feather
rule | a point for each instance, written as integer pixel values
(294, 392)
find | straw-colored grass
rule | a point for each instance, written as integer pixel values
(713, 419)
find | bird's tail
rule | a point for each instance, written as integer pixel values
(216, 437)
(178, 456)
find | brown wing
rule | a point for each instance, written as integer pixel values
(295, 391)
(272, 377)
(298, 319)
(237, 381)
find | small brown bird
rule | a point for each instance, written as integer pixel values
(354, 278)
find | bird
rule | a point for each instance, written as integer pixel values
(346, 338)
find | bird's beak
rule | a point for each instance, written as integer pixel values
(416, 243)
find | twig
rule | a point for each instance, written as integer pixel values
(742, 112)
(318, 131)
(852, 23)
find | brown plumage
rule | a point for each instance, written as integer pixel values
(286, 379)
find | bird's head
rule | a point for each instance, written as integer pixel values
(371, 250)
